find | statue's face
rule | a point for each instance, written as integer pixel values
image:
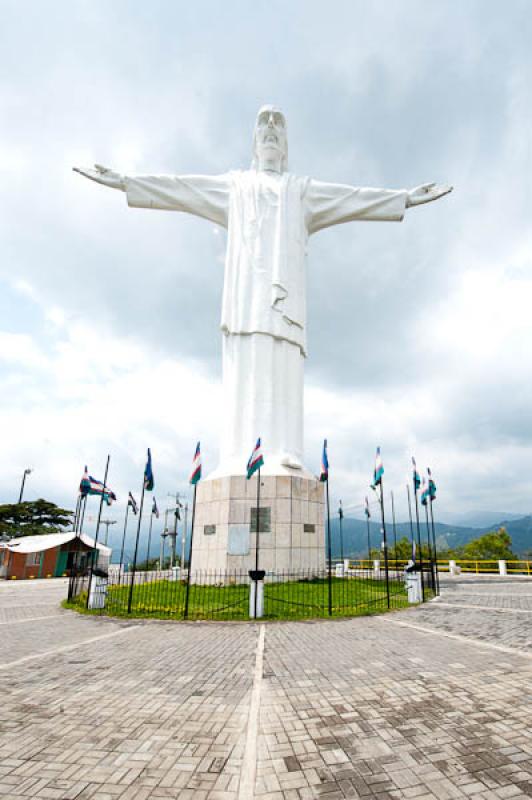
(270, 137)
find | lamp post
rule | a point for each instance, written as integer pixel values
(107, 522)
(27, 471)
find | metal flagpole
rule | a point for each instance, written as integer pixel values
(434, 548)
(123, 540)
(369, 541)
(419, 545)
(134, 567)
(410, 515)
(341, 518)
(257, 543)
(190, 553)
(329, 557)
(83, 515)
(76, 514)
(149, 541)
(104, 487)
(385, 547)
(432, 575)
(394, 534)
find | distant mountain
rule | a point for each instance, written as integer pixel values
(355, 538)
(477, 519)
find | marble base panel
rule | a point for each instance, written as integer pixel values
(292, 536)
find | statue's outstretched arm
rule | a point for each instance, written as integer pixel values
(335, 203)
(204, 196)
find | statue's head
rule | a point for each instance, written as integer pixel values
(270, 144)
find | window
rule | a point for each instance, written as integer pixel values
(265, 519)
(33, 560)
(209, 530)
(308, 527)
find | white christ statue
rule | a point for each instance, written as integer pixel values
(269, 214)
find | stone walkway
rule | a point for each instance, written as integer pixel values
(432, 702)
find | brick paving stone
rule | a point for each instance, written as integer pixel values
(348, 708)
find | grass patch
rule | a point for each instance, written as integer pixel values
(294, 599)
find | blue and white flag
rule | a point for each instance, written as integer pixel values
(415, 475)
(324, 472)
(149, 482)
(90, 485)
(378, 472)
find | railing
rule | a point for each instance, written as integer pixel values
(226, 595)
(479, 566)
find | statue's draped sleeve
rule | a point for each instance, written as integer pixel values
(203, 195)
(329, 204)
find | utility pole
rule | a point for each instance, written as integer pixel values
(173, 534)
(27, 471)
(107, 522)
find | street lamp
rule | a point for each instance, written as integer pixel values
(27, 471)
(107, 522)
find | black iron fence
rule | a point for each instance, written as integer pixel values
(225, 595)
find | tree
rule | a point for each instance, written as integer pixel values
(33, 518)
(491, 546)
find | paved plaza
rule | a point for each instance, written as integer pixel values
(431, 702)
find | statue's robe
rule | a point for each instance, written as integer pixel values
(268, 218)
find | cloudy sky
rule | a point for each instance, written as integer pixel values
(419, 333)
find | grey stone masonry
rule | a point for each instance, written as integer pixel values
(291, 535)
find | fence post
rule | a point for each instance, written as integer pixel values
(502, 567)
(376, 568)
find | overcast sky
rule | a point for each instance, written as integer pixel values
(419, 333)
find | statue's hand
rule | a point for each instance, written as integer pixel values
(103, 175)
(426, 193)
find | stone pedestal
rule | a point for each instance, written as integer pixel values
(292, 531)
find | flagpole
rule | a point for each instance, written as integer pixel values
(185, 615)
(149, 540)
(83, 515)
(94, 552)
(394, 534)
(410, 516)
(419, 545)
(329, 555)
(134, 568)
(123, 540)
(432, 575)
(434, 548)
(341, 518)
(75, 555)
(385, 547)
(369, 541)
(257, 544)
(76, 514)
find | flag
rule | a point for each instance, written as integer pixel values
(340, 511)
(379, 469)
(415, 475)
(432, 486)
(195, 475)
(424, 492)
(90, 485)
(366, 509)
(149, 483)
(85, 485)
(154, 509)
(324, 474)
(132, 503)
(255, 460)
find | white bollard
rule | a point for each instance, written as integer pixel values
(339, 571)
(413, 585)
(346, 566)
(98, 591)
(253, 586)
(453, 569)
(503, 570)
(376, 568)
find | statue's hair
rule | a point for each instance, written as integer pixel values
(255, 161)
